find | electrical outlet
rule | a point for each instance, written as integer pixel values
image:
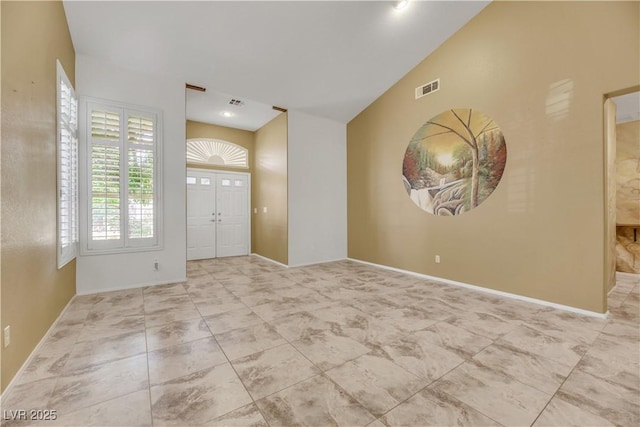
(264, 210)
(7, 336)
(156, 265)
(437, 259)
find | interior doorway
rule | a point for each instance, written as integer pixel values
(218, 214)
(622, 160)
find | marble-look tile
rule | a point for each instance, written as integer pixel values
(89, 353)
(234, 319)
(420, 357)
(493, 393)
(299, 325)
(373, 304)
(176, 333)
(272, 370)
(622, 331)
(246, 416)
(460, 341)
(532, 341)
(213, 306)
(172, 314)
(125, 304)
(173, 289)
(132, 410)
(408, 319)
(360, 326)
(561, 413)
(314, 402)
(616, 403)
(61, 339)
(327, 349)
(158, 302)
(430, 408)
(259, 297)
(43, 365)
(375, 382)
(243, 342)
(614, 360)
(104, 325)
(203, 295)
(544, 374)
(184, 359)
(271, 311)
(32, 395)
(484, 324)
(198, 398)
(86, 387)
(567, 326)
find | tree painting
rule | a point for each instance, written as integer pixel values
(454, 162)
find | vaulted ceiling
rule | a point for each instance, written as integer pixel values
(326, 58)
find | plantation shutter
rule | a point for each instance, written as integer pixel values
(67, 169)
(140, 154)
(122, 169)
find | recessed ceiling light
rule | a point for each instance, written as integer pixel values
(401, 4)
(226, 114)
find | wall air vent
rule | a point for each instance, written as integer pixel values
(428, 88)
(236, 102)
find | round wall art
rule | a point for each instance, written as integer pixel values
(454, 162)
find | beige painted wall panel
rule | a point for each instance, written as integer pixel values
(269, 189)
(540, 70)
(34, 292)
(243, 138)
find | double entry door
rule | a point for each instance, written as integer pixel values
(218, 221)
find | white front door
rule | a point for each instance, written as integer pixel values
(201, 215)
(217, 214)
(233, 215)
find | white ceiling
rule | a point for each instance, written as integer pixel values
(325, 58)
(627, 107)
(208, 107)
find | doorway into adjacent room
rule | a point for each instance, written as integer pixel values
(622, 189)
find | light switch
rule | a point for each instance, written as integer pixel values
(255, 210)
(264, 209)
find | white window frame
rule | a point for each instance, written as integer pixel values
(66, 252)
(124, 243)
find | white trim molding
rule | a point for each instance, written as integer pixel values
(490, 291)
(269, 259)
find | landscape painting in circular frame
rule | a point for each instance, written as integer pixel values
(454, 162)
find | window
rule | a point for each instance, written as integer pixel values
(121, 154)
(216, 152)
(67, 158)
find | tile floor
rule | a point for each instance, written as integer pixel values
(246, 343)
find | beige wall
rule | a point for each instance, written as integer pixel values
(269, 189)
(243, 138)
(540, 70)
(34, 292)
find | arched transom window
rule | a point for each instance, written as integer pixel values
(216, 152)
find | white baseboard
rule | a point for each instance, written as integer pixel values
(26, 363)
(270, 260)
(305, 264)
(127, 287)
(489, 291)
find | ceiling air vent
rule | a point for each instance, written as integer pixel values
(236, 102)
(427, 88)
